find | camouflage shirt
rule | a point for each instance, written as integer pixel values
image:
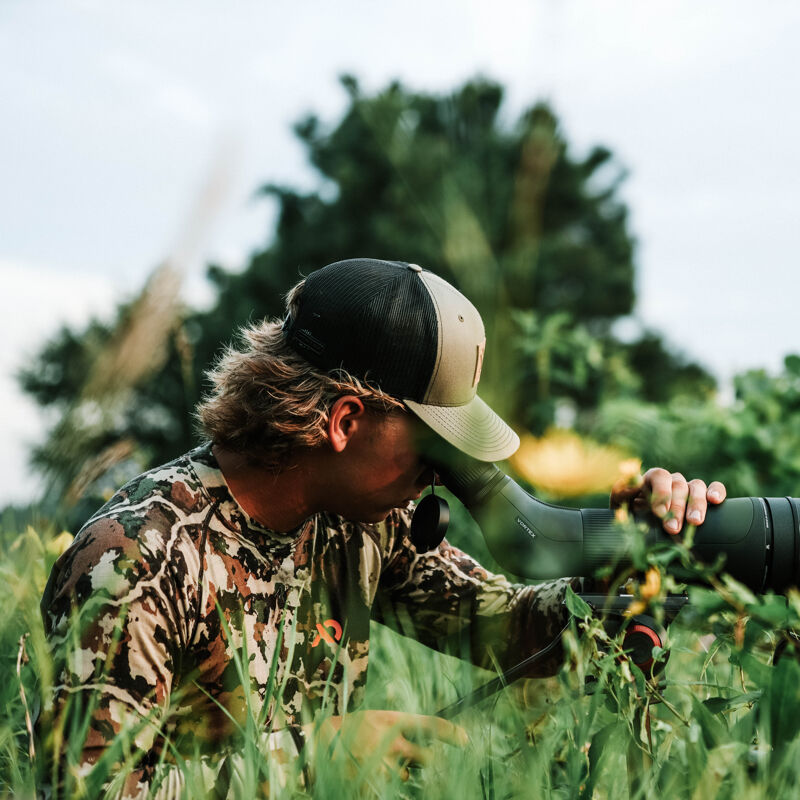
(176, 585)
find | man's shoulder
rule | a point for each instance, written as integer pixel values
(150, 523)
(175, 483)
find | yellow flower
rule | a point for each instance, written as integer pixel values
(652, 584)
(630, 471)
(622, 514)
(636, 607)
(648, 590)
(564, 464)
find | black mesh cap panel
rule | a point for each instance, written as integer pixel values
(374, 319)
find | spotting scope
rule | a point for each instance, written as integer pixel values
(757, 537)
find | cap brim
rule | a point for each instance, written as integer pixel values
(473, 428)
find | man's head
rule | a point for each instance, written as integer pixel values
(268, 403)
(410, 333)
(392, 335)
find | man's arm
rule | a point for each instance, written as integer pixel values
(109, 612)
(443, 594)
(445, 598)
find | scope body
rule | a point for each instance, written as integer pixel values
(758, 537)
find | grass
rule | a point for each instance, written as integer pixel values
(725, 723)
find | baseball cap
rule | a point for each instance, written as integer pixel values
(407, 331)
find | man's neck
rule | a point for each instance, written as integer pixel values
(277, 500)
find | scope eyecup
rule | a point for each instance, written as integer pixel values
(470, 480)
(473, 482)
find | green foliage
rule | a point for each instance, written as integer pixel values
(665, 374)
(753, 447)
(558, 360)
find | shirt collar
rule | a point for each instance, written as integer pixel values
(206, 468)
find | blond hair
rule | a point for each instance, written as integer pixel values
(267, 401)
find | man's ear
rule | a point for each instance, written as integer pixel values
(344, 419)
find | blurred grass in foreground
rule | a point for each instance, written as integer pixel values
(728, 724)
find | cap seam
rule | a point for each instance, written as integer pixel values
(443, 405)
(439, 340)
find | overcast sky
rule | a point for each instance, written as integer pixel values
(114, 115)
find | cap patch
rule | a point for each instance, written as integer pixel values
(479, 363)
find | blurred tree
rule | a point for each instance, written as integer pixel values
(563, 365)
(665, 373)
(753, 447)
(119, 395)
(502, 210)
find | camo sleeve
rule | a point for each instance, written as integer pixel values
(446, 599)
(117, 627)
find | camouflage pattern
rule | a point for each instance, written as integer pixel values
(173, 581)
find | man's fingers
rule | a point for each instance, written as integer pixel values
(659, 483)
(716, 492)
(409, 752)
(697, 502)
(389, 768)
(677, 503)
(437, 728)
(397, 737)
(670, 497)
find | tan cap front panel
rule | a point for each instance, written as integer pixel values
(461, 343)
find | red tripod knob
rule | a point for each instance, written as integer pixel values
(641, 636)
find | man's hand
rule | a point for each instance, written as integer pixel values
(669, 496)
(363, 735)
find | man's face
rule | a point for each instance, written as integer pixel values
(380, 469)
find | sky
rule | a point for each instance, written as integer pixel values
(116, 115)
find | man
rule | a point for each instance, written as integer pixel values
(235, 585)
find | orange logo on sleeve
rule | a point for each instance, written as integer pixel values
(323, 634)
